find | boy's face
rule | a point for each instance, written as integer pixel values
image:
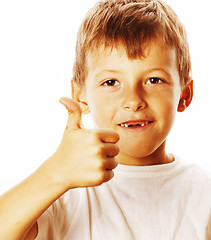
(137, 98)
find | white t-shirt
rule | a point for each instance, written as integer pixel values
(159, 202)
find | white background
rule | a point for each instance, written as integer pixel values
(37, 44)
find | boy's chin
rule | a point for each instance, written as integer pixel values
(136, 151)
(142, 150)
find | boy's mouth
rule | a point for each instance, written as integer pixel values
(134, 124)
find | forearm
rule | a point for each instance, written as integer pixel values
(24, 204)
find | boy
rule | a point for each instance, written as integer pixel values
(132, 73)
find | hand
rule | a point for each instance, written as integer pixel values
(84, 158)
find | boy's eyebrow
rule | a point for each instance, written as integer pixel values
(108, 71)
(161, 70)
(119, 72)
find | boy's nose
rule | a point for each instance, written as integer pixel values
(133, 102)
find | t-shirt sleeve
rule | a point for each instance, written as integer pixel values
(54, 222)
(48, 224)
(44, 227)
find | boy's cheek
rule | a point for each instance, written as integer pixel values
(103, 117)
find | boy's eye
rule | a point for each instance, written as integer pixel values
(111, 83)
(154, 80)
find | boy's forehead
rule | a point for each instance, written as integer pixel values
(106, 51)
(104, 54)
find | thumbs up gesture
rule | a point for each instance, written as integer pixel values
(84, 158)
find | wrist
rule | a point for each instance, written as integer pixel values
(54, 176)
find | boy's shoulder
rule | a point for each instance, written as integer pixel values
(198, 175)
(199, 171)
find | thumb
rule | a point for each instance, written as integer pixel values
(74, 113)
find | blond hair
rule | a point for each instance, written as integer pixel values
(133, 23)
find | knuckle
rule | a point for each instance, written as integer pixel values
(100, 178)
(100, 165)
(95, 136)
(99, 151)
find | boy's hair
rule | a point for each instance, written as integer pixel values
(132, 23)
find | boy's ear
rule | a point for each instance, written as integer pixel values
(79, 95)
(186, 97)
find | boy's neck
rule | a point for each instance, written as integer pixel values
(156, 158)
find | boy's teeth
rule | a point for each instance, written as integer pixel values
(127, 125)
